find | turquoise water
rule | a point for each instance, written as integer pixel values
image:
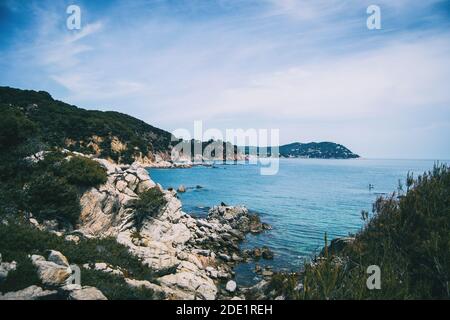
(305, 200)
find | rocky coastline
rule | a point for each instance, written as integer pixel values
(191, 258)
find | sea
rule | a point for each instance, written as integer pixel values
(303, 201)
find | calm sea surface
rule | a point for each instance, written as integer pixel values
(305, 200)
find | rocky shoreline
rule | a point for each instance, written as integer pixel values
(191, 258)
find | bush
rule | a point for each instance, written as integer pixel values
(51, 197)
(24, 276)
(83, 172)
(14, 128)
(149, 204)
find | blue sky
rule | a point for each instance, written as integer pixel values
(309, 68)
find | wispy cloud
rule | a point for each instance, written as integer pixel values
(310, 68)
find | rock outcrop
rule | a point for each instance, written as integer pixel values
(190, 257)
(51, 273)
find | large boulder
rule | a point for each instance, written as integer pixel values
(86, 293)
(158, 256)
(188, 281)
(58, 258)
(51, 273)
(30, 293)
(163, 292)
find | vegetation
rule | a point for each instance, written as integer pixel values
(49, 197)
(319, 150)
(149, 204)
(407, 237)
(83, 172)
(19, 240)
(59, 124)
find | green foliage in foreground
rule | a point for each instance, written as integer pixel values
(20, 240)
(408, 237)
(83, 172)
(149, 204)
(50, 197)
(15, 128)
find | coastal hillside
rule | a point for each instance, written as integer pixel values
(319, 150)
(314, 150)
(112, 135)
(63, 211)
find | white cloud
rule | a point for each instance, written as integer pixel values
(317, 76)
(397, 78)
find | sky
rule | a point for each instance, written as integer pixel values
(311, 69)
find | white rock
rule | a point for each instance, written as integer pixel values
(163, 291)
(132, 181)
(87, 293)
(121, 185)
(58, 258)
(145, 185)
(50, 273)
(30, 293)
(202, 287)
(142, 174)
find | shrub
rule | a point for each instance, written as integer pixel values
(51, 197)
(15, 128)
(24, 276)
(149, 204)
(83, 172)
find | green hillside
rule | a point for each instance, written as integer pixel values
(108, 134)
